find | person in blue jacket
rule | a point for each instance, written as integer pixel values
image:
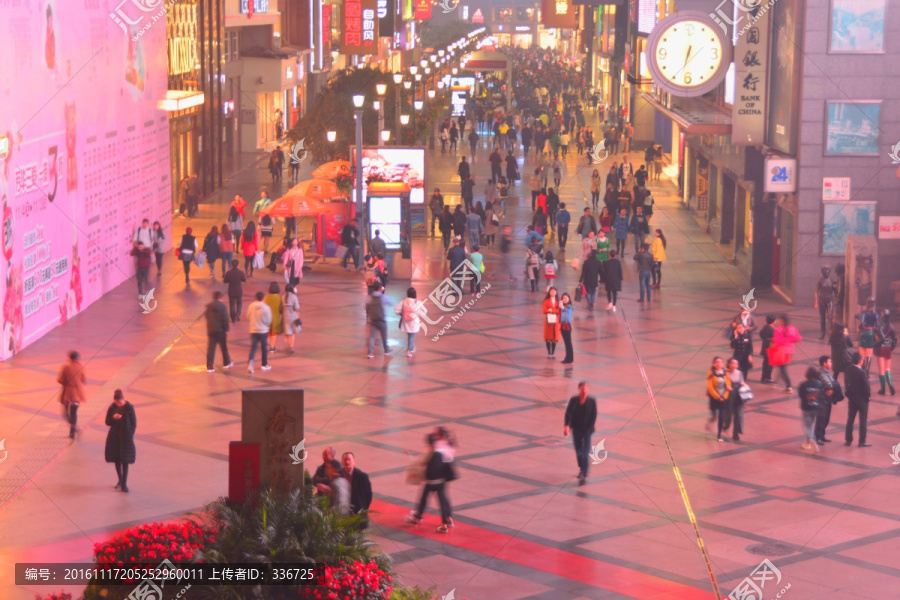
(563, 218)
(622, 227)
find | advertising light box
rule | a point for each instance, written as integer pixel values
(395, 165)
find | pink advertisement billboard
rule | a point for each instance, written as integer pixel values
(84, 156)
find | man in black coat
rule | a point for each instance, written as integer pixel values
(459, 221)
(590, 277)
(350, 240)
(360, 487)
(463, 169)
(858, 393)
(468, 191)
(581, 416)
(217, 332)
(457, 254)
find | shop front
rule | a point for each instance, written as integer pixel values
(274, 84)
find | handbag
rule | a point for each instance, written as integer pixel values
(552, 318)
(481, 267)
(745, 393)
(579, 292)
(259, 260)
(298, 324)
(778, 355)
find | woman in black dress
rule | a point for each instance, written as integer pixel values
(120, 440)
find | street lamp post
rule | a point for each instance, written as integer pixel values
(381, 90)
(358, 101)
(418, 105)
(398, 80)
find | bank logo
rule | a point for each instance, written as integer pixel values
(895, 455)
(145, 302)
(895, 154)
(296, 156)
(296, 450)
(748, 298)
(3, 452)
(449, 6)
(595, 153)
(596, 449)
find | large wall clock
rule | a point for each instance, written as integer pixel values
(688, 54)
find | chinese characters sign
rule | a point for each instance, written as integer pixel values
(360, 27)
(423, 9)
(751, 58)
(386, 10)
(558, 13)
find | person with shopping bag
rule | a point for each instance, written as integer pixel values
(782, 348)
(550, 309)
(249, 247)
(293, 263)
(434, 468)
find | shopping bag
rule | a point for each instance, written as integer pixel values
(778, 355)
(259, 260)
(200, 259)
(341, 252)
(415, 472)
(579, 292)
(576, 263)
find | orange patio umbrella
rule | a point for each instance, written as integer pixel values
(332, 169)
(306, 199)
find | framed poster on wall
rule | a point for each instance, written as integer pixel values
(840, 220)
(851, 127)
(856, 27)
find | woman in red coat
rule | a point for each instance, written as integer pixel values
(250, 244)
(551, 321)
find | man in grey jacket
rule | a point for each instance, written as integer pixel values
(645, 269)
(259, 316)
(474, 228)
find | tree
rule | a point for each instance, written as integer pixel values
(333, 110)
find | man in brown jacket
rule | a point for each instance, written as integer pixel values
(71, 378)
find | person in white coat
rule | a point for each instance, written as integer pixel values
(293, 263)
(291, 316)
(410, 323)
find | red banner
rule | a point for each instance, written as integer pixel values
(423, 9)
(360, 27)
(558, 13)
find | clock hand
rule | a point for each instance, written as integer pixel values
(686, 58)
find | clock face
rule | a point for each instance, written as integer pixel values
(687, 54)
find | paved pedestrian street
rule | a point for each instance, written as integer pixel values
(523, 528)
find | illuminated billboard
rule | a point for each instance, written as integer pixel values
(395, 165)
(87, 157)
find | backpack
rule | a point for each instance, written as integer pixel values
(549, 271)
(408, 313)
(375, 309)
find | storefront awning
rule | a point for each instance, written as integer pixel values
(694, 115)
(176, 100)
